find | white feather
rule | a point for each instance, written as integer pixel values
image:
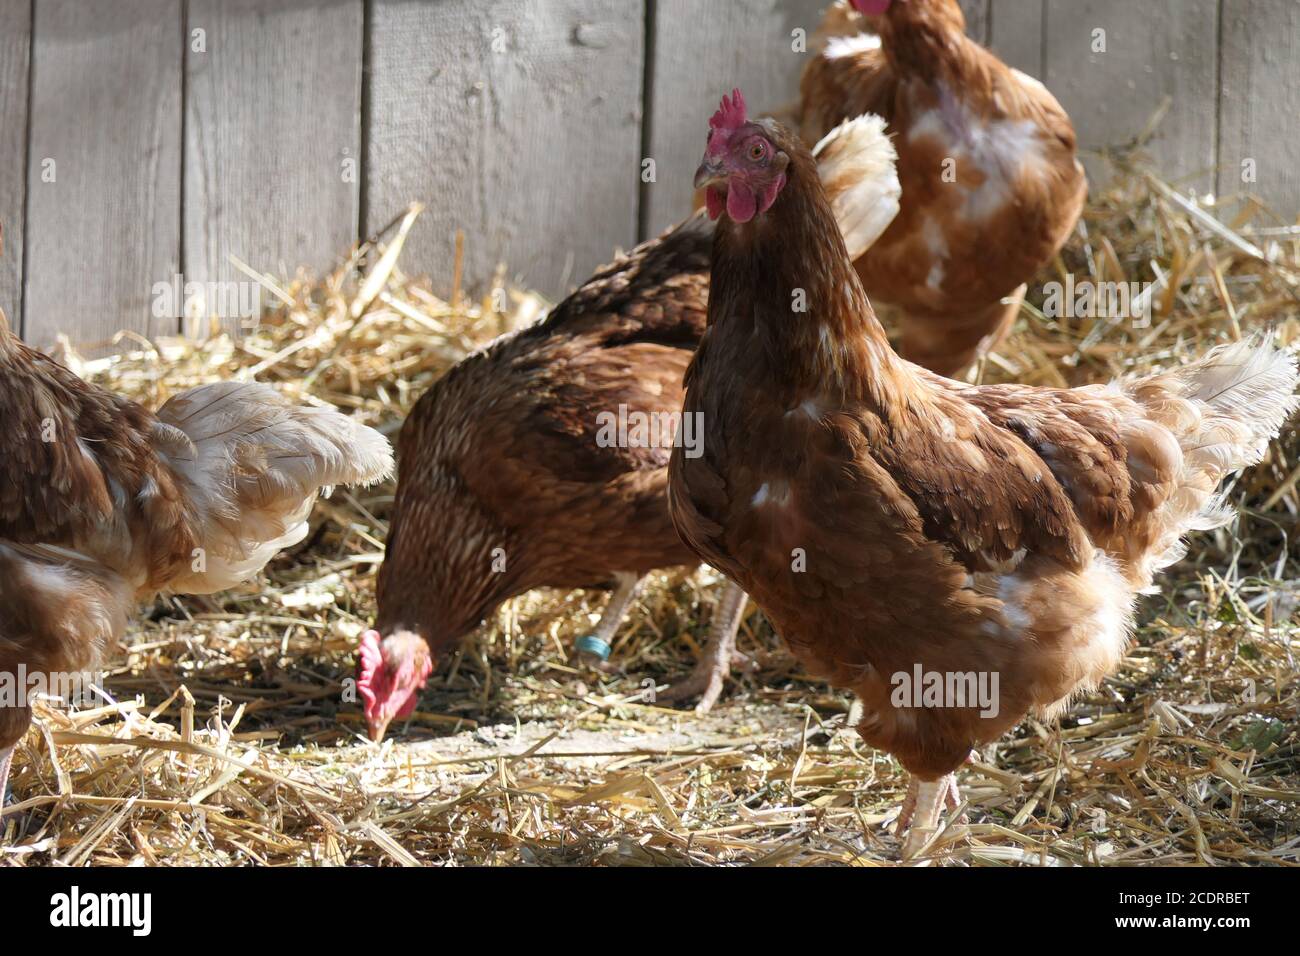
(1223, 410)
(858, 166)
(253, 463)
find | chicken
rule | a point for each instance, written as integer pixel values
(104, 504)
(986, 158)
(509, 480)
(898, 527)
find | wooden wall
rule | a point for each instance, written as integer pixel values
(272, 134)
(146, 138)
(15, 51)
(518, 122)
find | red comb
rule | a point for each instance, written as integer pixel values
(731, 114)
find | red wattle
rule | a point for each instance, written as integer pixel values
(741, 204)
(713, 200)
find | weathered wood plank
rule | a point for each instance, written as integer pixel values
(518, 121)
(1260, 105)
(1016, 34)
(700, 54)
(1153, 49)
(272, 134)
(106, 121)
(15, 49)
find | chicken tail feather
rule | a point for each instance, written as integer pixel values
(856, 163)
(1222, 410)
(254, 463)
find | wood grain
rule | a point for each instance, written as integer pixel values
(1260, 102)
(15, 48)
(518, 121)
(106, 109)
(272, 135)
(1154, 49)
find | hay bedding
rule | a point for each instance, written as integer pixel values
(225, 736)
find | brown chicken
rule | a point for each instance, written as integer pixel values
(986, 158)
(903, 531)
(104, 504)
(513, 474)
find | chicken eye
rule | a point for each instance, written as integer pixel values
(757, 151)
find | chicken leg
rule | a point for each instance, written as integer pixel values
(921, 810)
(715, 663)
(950, 343)
(6, 757)
(917, 832)
(595, 647)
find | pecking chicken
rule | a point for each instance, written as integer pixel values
(506, 483)
(104, 504)
(893, 523)
(986, 158)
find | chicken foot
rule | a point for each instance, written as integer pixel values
(719, 655)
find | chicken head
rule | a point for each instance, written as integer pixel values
(390, 675)
(743, 171)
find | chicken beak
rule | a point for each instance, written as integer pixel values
(378, 729)
(710, 172)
